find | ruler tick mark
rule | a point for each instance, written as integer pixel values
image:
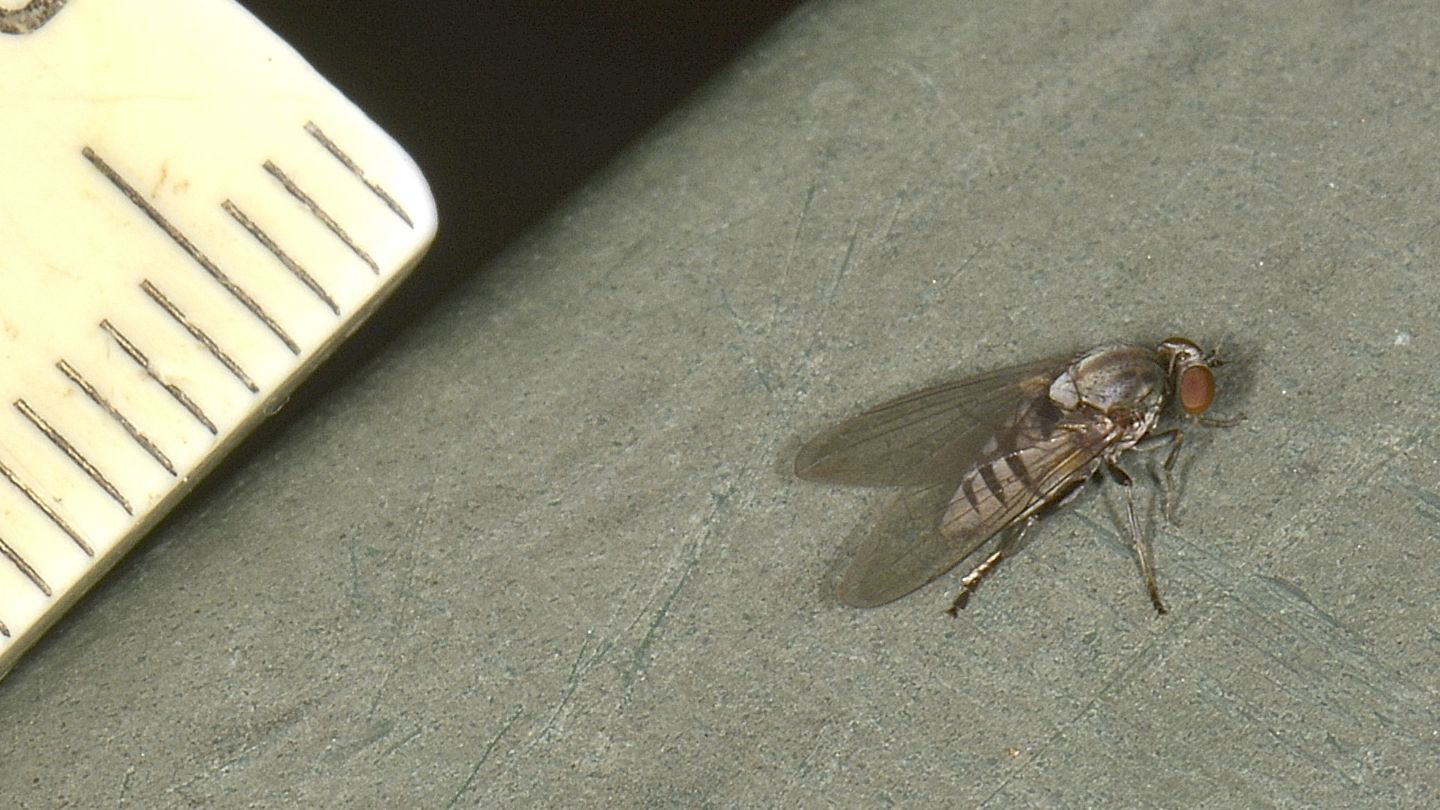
(336, 152)
(235, 290)
(140, 438)
(34, 498)
(19, 562)
(284, 258)
(63, 444)
(329, 221)
(176, 392)
(199, 334)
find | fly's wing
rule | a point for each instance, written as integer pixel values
(927, 530)
(926, 436)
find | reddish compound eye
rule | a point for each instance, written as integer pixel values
(1197, 389)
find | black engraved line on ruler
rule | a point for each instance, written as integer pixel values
(355, 169)
(199, 334)
(189, 247)
(284, 258)
(140, 438)
(176, 392)
(19, 562)
(54, 516)
(58, 439)
(320, 214)
(27, 19)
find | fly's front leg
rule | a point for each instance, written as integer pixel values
(1220, 421)
(1174, 439)
(1137, 539)
(1009, 543)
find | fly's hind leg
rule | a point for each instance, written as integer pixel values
(1009, 543)
(1140, 542)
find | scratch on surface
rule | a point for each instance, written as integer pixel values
(380, 691)
(894, 217)
(354, 574)
(403, 741)
(828, 299)
(964, 265)
(844, 268)
(790, 254)
(402, 617)
(122, 799)
(1297, 594)
(928, 83)
(484, 757)
(1118, 676)
(572, 683)
(729, 307)
(642, 650)
(1377, 458)
(744, 327)
(1287, 654)
(1277, 619)
(241, 746)
(935, 293)
(1237, 706)
(1346, 653)
(802, 768)
(1429, 507)
(690, 564)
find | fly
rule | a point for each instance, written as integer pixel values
(988, 455)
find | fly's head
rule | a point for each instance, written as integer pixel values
(1187, 369)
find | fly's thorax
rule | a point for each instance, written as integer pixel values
(1115, 380)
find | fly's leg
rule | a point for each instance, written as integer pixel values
(1008, 545)
(972, 579)
(1220, 421)
(1142, 544)
(1175, 439)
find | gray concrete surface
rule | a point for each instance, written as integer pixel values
(543, 550)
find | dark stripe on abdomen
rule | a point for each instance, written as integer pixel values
(1017, 466)
(992, 481)
(967, 486)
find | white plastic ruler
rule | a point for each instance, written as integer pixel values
(190, 219)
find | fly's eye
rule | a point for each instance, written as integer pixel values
(1197, 389)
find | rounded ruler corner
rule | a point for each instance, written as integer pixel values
(191, 218)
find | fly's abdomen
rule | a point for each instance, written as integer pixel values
(992, 494)
(1017, 484)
